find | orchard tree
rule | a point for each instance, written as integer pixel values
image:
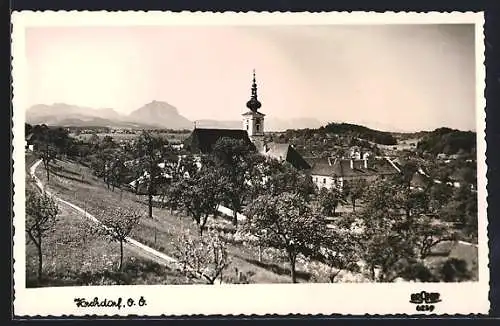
(429, 233)
(47, 153)
(283, 177)
(151, 151)
(355, 189)
(118, 225)
(339, 251)
(204, 257)
(202, 194)
(286, 221)
(387, 238)
(329, 199)
(231, 156)
(41, 218)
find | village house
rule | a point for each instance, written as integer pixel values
(333, 172)
(28, 143)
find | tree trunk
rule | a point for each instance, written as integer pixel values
(235, 217)
(372, 273)
(150, 205)
(292, 258)
(47, 171)
(121, 255)
(353, 205)
(40, 259)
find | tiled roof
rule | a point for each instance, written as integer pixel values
(342, 167)
(203, 139)
(286, 152)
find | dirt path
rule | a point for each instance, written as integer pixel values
(136, 246)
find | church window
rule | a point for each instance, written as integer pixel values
(324, 180)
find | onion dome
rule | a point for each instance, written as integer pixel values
(254, 103)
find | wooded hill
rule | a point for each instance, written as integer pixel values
(346, 129)
(448, 141)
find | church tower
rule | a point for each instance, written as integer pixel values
(253, 121)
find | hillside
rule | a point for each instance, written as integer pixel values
(448, 141)
(344, 129)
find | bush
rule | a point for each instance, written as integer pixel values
(455, 270)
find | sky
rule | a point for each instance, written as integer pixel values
(392, 77)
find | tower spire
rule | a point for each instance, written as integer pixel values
(254, 104)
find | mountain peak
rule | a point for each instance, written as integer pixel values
(162, 114)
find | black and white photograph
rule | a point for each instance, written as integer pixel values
(267, 156)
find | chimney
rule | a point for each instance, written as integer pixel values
(352, 164)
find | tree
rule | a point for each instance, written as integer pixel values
(354, 189)
(151, 151)
(118, 171)
(205, 257)
(202, 194)
(455, 270)
(41, 218)
(430, 233)
(329, 199)
(339, 252)
(284, 177)
(47, 154)
(231, 156)
(286, 222)
(388, 236)
(118, 225)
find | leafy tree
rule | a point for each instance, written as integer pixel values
(41, 218)
(439, 196)
(340, 252)
(47, 153)
(285, 221)
(151, 151)
(354, 190)
(455, 270)
(329, 199)
(118, 224)
(118, 171)
(282, 177)
(430, 232)
(231, 156)
(204, 257)
(202, 194)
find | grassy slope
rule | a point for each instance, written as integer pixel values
(73, 256)
(76, 184)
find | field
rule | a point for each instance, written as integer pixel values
(76, 184)
(118, 137)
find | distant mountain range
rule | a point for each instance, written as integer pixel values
(155, 114)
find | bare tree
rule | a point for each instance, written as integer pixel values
(118, 223)
(41, 218)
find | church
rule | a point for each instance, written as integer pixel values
(202, 140)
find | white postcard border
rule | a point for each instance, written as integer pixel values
(255, 299)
